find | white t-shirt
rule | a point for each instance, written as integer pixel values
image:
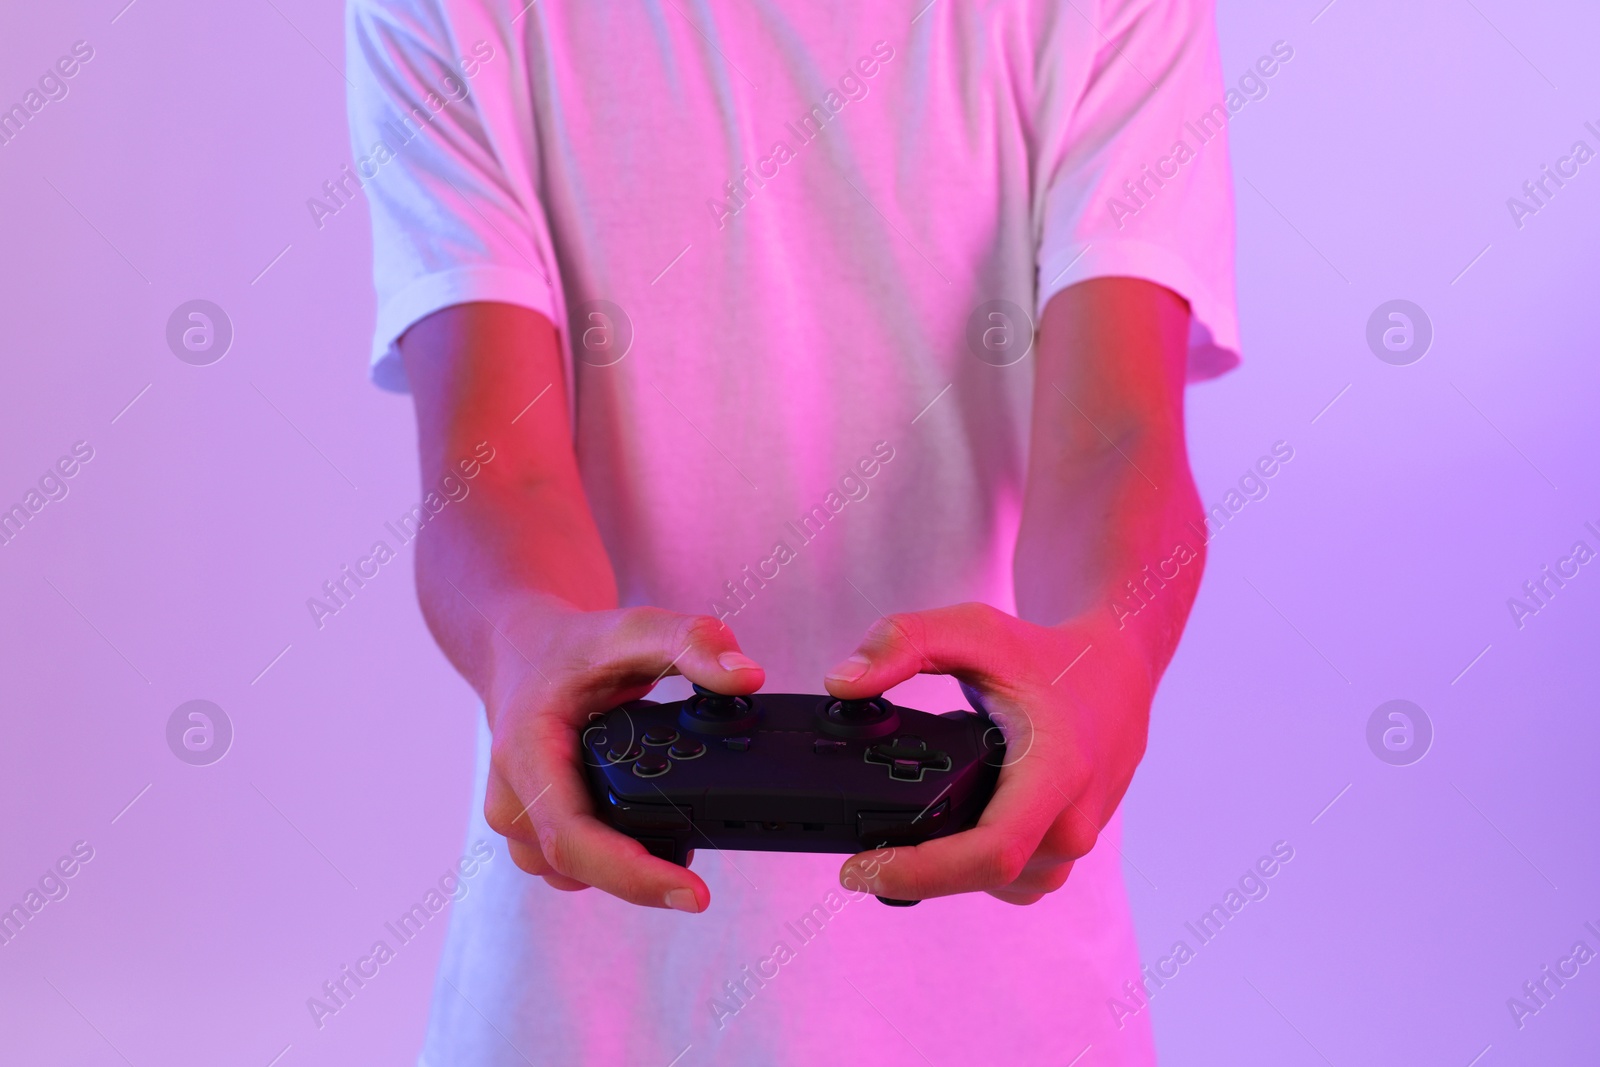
(793, 249)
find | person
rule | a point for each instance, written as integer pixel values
(741, 298)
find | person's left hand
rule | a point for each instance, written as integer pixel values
(1074, 703)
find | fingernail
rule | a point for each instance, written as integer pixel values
(683, 900)
(851, 669)
(857, 881)
(737, 661)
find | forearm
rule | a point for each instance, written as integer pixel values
(488, 568)
(523, 540)
(1108, 537)
(517, 588)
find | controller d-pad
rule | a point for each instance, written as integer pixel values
(908, 758)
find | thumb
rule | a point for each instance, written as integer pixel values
(698, 647)
(963, 640)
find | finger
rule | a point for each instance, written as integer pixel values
(1019, 899)
(990, 856)
(522, 842)
(528, 858)
(527, 827)
(1071, 837)
(1048, 869)
(649, 643)
(966, 640)
(583, 849)
(507, 814)
(1037, 880)
(566, 885)
(587, 852)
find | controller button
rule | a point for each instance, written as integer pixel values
(660, 735)
(619, 754)
(907, 770)
(908, 758)
(825, 746)
(737, 744)
(686, 748)
(652, 765)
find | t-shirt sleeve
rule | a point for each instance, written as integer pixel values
(1133, 163)
(444, 158)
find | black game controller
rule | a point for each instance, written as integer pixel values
(782, 772)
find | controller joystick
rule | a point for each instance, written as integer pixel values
(868, 717)
(717, 714)
(864, 710)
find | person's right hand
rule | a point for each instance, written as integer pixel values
(518, 589)
(568, 667)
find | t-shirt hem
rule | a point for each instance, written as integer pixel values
(1214, 327)
(433, 292)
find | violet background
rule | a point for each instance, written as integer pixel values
(1378, 567)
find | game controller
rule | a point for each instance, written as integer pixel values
(784, 772)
